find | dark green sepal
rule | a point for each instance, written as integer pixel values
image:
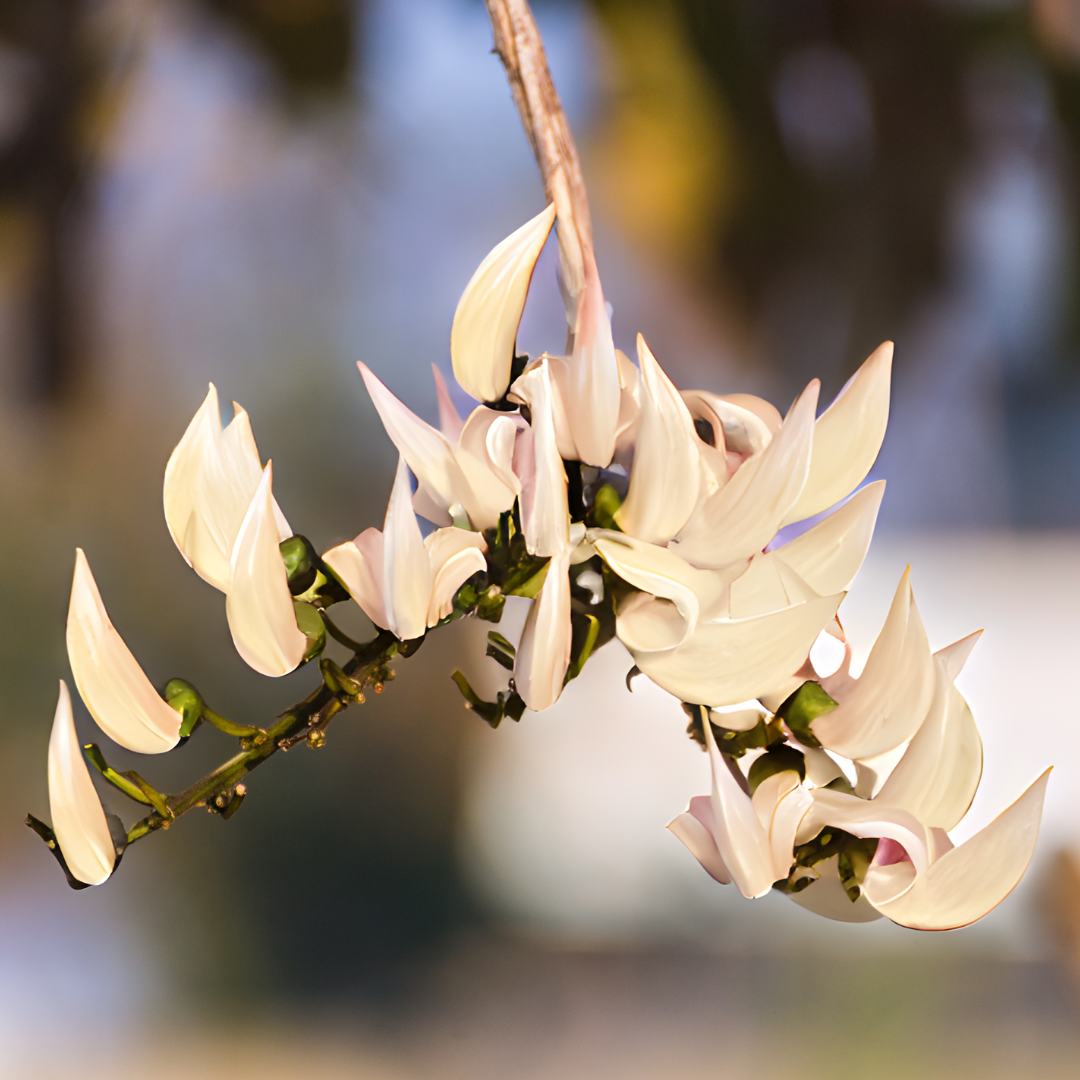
(855, 855)
(507, 703)
(780, 757)
(585, 629)
(801, 709)
(49, 837)
(310, 579)
(606, 503)
(500, 650)
(765, 733)
(310, 623)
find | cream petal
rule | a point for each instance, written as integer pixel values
(938, 775)
(781, 802)
(113, 686)
(734, 660)
(735, 427)
(694, 827)
(666, 475)
(740, 518)
(543, 654)
(425, 450)
(593, 393)
(359, 565)
(450, 423)
(848, 436)
(545, 518)
(629, 404)
(649, 625)
(454, 555)
(966, 883)
(828, 898)
(258, 605)
(886, 704)
(406, 567)
(742, 842)
(489, 311)
(78, 819)
(485, 456)
(659, 571)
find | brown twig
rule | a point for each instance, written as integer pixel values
(518, 44)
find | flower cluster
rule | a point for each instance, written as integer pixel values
(715, 538)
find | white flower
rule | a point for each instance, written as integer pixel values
(486, 321)
(113, 686)
(712, 640)
(259, 606)
(543, 653)
(209, 483)
(405, 583)
(78, 820)
(471, 476)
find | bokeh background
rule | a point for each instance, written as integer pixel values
(261, 193)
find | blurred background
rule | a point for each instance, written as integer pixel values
(261, 193)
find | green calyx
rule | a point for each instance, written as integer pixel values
(187, 701)
(506, 704)
(778, 758)
(801, 709)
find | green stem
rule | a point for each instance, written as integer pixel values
(307, 718)
(338, 634)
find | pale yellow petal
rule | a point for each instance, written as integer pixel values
(78, 819)
(848, 436)
(406, 567)
(543, 654)
(489, 311)
(971, 880)
(454, 555)
(113, 686)
(258, 604)
(359, 565)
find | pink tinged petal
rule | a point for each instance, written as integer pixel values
(406, 567)
(666, 474)
(866, 818)
(780, 803)
(593, 392)
(734, 660)
(886, 704)
(113, 686)
(966, 883)
(450, 423)
(661, 572)
(259, 605)
(938, 775)
(743, 516)
(425, 450)
(742, 842)
(736, 428)
(243, 470)
(828, 898)
(694, 827)
(489, 311)
(484, 456)
(78, 819)
(454, 556)
(545, 518)
(359, 564)
(848, 436)
(629, 403)
(543, 654)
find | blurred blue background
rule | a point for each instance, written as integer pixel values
(261, 193)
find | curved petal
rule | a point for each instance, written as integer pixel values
(113, 686)
(742, 516)
(545, 517)
(489, 311)
(971, 880)
(484, 456)
(886, 704)
(650, 625)
(847, 437)
(734, 660)
(666, 475)
(454, 555)
(543, 654)
(359, 565)
(938, 775)
(866, 818)
(258, 605)
(695, 828)
(742, 842)
(828, 898)
(781, 802)
(826, 557)
(450, 423)
(78, 819)
(406, 567)
(592, 392)
(425, 450)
